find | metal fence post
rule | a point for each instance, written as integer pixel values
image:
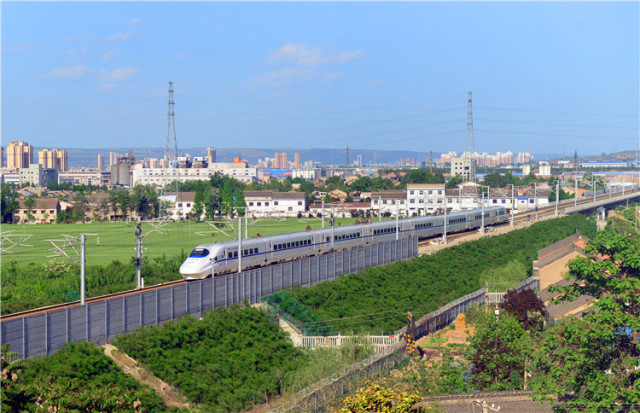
(66, 325)
(173, 314)
(24, 337)
(46, 333)
(106, 320)
(86, 322)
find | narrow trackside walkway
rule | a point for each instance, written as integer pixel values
(170, 396)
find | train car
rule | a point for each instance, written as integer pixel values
(222, 257)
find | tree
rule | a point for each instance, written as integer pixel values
(305, 186)
(198, 201)
(531, 178)
(562, 195)
(13, 399)
(375, 398)
(29, 203)
(497, 180)
(9, 202)
(454, 181)
(212, 203)
(421, 176)
(526, 306)
(144, 200)
(496, 352)
(596, 358)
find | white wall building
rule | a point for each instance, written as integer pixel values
(160, 176)
(424, 197)
(85, 177)
(180, 204)
(385, 201)
(544, 169)
(274, 203)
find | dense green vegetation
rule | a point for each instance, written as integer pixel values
(57, 282)
(79, 377)
(231, 359)
(376, 299)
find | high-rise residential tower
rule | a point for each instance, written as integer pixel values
(19, 155)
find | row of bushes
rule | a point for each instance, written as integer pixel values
(377, 299)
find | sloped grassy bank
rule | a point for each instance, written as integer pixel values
(376, 299)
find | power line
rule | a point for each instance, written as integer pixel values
(555, 112)
(556, 124)
(556, 135)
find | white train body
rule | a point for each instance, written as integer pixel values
(222, 257)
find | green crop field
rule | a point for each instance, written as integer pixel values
(118, 242)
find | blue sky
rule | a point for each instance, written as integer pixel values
(546, 77)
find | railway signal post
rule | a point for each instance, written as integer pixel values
(138, 259)
(239, 243)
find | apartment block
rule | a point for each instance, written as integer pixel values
(54, 159)
(19, 155)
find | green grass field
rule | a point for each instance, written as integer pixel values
(118, 242)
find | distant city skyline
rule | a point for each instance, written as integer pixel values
(546, 77)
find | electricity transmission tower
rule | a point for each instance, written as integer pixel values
(171, 146)
(470, 145)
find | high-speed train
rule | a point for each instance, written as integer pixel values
(222, 257)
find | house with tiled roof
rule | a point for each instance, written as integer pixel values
(44, 211)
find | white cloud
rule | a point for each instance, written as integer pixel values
(119, 37)
(19, 47)
(79, 38)
(291, 76)
(79, 52)
(69, 72)
(133, 22)
(119, 74)
(308, 56)
(108, 55)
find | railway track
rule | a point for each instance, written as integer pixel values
(525, 216)
(89, 300)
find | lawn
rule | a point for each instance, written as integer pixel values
(118, 242)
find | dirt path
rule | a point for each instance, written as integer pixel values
(170, 396)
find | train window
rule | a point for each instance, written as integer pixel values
(288, 245)
(199, 253)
